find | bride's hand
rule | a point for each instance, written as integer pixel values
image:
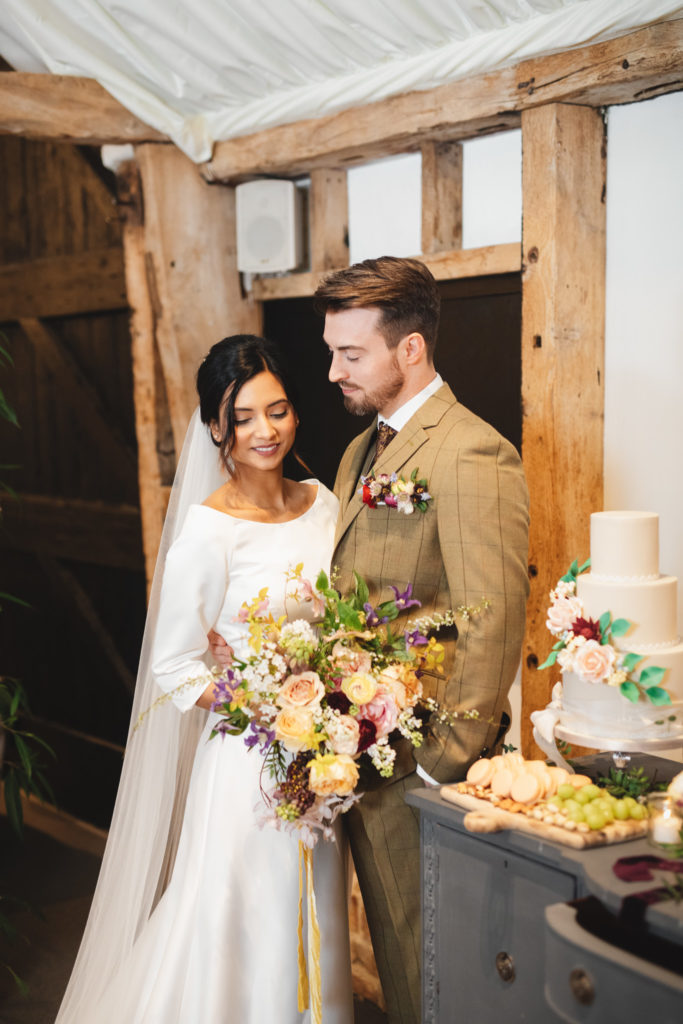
(221, 650)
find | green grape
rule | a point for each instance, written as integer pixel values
(582, 797)
(593, 791)
(630, 802)
(556, 801)
(638, 811)
(577, 814)
(595, 819)
(566, 791)
(572, 805)
(621, 810)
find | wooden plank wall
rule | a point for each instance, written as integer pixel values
(71, 544)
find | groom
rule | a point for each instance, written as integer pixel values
(381, 322)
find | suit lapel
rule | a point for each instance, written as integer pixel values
(396, 454)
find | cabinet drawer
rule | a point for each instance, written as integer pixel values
(484, 929)
(588, 981)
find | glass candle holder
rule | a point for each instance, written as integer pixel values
(665, 826)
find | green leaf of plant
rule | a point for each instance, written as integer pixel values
(361, 588)
(19, 982)
(322, 582)
(36, 739)
(631, 660)
(586, 565)
(15, 811)
(550, 660)
(15, 600)
(620, 626)
(25, 754)
(657, 695)
(630, 691)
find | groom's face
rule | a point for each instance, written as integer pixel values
(368, 373)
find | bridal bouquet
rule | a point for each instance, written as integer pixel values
(314, 698)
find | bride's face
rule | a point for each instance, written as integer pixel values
(265, 423)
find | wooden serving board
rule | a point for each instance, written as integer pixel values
(485, 817)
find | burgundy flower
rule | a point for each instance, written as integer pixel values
(338, 701)
(588, 628)
(367, 735)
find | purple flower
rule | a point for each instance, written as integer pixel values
(259, 734)
(405, 599)
(367, 734)
(414, 638)
(371, 616)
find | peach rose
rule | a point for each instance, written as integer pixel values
(381, 710)
(333, 774)
(343, 732)
(594, 662)
(304, 690)
(562, 613)
(294, 728)
(359, 688)
(350, 659)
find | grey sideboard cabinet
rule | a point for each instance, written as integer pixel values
(501, 945)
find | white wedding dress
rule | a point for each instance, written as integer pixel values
(221, 945)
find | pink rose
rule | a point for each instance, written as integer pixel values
(350, 660)
(343, 732)
(301, 691)
(562, 613)
(594, 662)
(383, 711)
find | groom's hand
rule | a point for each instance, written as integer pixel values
(220, 649)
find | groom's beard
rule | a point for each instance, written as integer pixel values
(361, 402)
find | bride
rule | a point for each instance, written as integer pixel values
(194, 920)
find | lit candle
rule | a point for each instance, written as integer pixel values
(666, 827)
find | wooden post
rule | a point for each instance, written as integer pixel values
(329, 220)
(190, 238)
(184, 292)
(441, 196)
(563, 301)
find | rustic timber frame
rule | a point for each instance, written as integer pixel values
(184, 289)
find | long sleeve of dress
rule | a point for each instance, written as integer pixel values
(192, 595)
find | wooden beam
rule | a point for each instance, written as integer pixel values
(64, 108)
(563, 303)
(77, 390)
(632, 67)
(489, 259)
(82, 282)
(329, 219)
(146, 385)
(78, 598)
(85, 531)
(441, 196)
(192, 270)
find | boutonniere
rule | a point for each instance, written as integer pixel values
(395, 492)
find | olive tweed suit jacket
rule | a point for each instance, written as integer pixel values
(470, 543)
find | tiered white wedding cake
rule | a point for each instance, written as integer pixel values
(603, 619)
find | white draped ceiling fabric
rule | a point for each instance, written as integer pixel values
(205, 70)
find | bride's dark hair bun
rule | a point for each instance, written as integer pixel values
(225, 369)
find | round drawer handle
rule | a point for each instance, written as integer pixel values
(582, 986)
(505, 966)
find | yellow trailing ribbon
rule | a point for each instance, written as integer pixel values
(306, 867)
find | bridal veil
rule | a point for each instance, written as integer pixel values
(147, 818)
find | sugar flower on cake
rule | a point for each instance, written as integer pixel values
(586, 646)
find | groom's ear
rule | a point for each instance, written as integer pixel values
(415, 348)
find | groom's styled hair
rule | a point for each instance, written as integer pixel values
(403, 290)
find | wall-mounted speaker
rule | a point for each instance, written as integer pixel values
(269, 226)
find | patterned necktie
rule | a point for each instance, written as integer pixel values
(384, 435)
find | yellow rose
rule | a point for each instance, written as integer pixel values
(301, 691)
(360, 688)
(333, 774)
(294, 729)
